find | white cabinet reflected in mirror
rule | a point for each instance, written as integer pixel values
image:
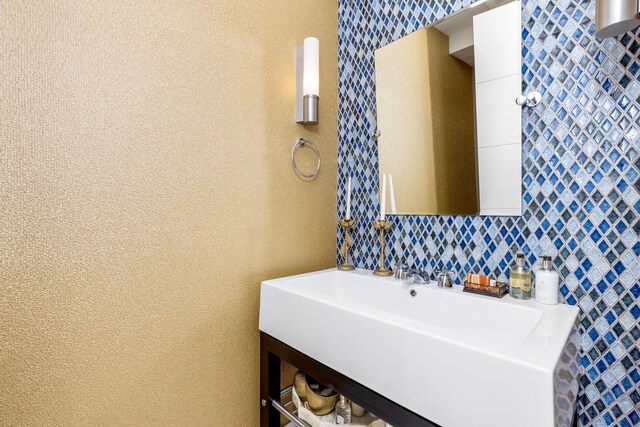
(450, 127)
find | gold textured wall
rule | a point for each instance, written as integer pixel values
(454, 144)
(146, 190)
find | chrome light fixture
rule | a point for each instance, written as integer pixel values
(307, 81)
(615, 17)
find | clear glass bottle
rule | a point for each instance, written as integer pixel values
(343, 411)
(520, 279)
(547, 283)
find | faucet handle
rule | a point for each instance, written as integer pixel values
(444, 280)
(401, 271)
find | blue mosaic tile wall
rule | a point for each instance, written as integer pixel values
(580, 180)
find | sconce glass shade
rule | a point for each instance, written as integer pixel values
(311, 79)
(615, 17)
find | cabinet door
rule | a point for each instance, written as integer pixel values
(497, 35)
(498, 53)
(499, 170)
(498, 117)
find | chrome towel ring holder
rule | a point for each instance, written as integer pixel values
(302, 143)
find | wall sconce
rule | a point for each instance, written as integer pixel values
(307, 81)
(615, 17)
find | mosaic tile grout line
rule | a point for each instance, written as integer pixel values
(581, 186)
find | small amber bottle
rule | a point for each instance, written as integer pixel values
(520, 279)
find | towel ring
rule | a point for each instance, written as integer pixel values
(301, 143)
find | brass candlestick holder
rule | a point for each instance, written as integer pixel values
(347, 225)
(383, 225)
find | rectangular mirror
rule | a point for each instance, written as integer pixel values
(450, 130)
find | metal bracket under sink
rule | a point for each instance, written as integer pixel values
(284, 410)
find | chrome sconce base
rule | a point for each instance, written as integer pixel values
(615, 17)
(310, 110)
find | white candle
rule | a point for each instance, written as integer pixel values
(349, 199)
(393, 196)
(383, 197)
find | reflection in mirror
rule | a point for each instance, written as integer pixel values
(428, 86)
(429, 148)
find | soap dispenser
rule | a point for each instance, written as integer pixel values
(520, 279)
(547, 283)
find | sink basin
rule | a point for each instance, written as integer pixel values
(454, 358)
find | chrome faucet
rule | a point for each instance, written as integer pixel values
(403, 272)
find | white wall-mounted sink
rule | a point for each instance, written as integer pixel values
(457, 359)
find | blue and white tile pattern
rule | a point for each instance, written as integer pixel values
(581, 187)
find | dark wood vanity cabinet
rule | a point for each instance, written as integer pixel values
(272, 351)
